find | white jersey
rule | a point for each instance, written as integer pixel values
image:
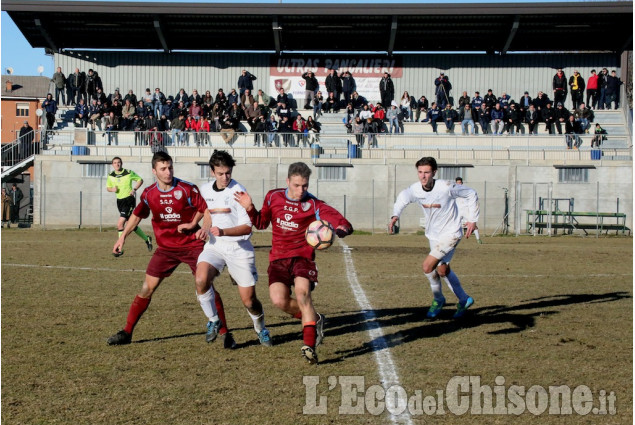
(439, 207)
(224, 209)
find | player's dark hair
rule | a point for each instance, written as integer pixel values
(221, 158)
(113, 160)
(299, 169)
(459, 179)
(160, 157)
(427, 160)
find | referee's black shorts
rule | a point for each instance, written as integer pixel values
(126, 206)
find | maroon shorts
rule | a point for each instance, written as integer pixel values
(286, 269)
(164, 262)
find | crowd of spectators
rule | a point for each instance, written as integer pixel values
(192, 116)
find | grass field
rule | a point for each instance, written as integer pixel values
(548, 312)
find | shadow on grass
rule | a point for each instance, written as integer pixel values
(519, 317)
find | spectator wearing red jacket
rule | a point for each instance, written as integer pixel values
(203, 132)
(592, 90)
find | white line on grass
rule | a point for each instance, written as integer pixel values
(387, 369)
(92, 269)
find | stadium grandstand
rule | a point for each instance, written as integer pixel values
(390, 62)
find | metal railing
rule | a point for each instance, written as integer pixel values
(21, 149)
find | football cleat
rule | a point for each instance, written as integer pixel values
(461, 309)
(149, 243)
(265, 338)
(228, 341)
(435, 308)
(309, 354)
(479, 241)
(120, 338)
(319, 329)
(118, 253)
(212, 330)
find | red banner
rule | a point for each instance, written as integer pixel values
(359, 66)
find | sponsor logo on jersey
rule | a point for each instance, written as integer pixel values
(165, 196)
(178, 194)
(305, 206)
(289, 225)
(288, 217)
(168, 210)
(170, 217)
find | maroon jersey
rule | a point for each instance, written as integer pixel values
(289, 221)
(169, 209)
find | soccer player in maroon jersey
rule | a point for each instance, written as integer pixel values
(290, 210)
(177, 206)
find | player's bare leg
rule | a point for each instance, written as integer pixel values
(280, 295)
(256, 312)
(309, 318)
(137, 308)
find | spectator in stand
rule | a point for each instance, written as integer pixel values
(448, 115)
(600, 136)
(94, 114)
(107, 120)
(523, 105)
(572, 130)
(26, 136)
(612, 90)
(263, 100)
(532, 119)
(331, 104)
(350, 116)
(442, 90)
(333, 85)
(100, 96)
(464, 100)
(76, 87)
(182, 96)
(245, 82)
(490, 100)
(504, 101)
(191, 127)
(93, 82)
(246, 100)
(259, 128)
(318, 103)
(584, 116)
(281, 100)
(148, 99)
(434, 115)
(348, 86)
(576, 84)
(358, 101)
(540, 103)
(252, 114)
(365, 113)
(139, 130)
(602, 83)
(378, 115)
(128, 112)
(592, 90)
(422, 108)
(301, 130)
(131, 97)
(195, 109)
(141, 110)
(284, 111)
(466, 119)
(216, 116)
(178, 126)
(208, 104)
(561, 116)
(405, 106)
(204, 129)
(81, 113)
(168, 109)
(393, 118)
(284, 127)
(50, 108)
(311, 86)
(358, 131)
(221, 100)
(233, 97)
(152, 128)
(371, 128)
(498, 119)
(158, 99)
(181, 108)
(512, 120)
(115, 96)
(549, 117)
(236, 114)
(195, 97)
(477, 101)
(484, 118)
(272, 129)
(560, 87)
(386, 90)
(59, 80)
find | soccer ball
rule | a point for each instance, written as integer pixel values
(319, 234)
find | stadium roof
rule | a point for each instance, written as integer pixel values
(495, 27)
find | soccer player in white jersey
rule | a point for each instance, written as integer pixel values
(460, 203)
(228, 227)
(443, 229)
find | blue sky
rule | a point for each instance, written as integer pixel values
(18, 54)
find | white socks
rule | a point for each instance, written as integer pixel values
(435, 285)
(259, 321)
(207, 304)
(476, 235)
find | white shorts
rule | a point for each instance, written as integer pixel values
(238, 256)
(443, 249)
